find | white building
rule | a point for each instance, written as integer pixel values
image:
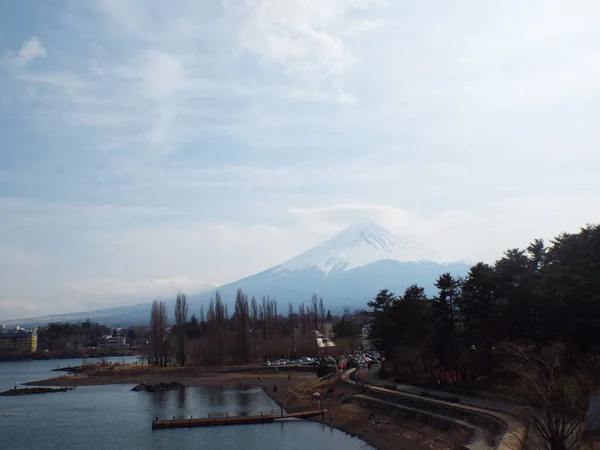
(111, 341)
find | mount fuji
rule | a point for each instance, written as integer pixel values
(356, 246)
(346, 270)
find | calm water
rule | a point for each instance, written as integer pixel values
(24, 371)
(111, 417)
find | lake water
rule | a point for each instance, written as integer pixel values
(111, 417)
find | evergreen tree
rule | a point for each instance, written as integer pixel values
(445, 316)
(382, 332)
(480, 312)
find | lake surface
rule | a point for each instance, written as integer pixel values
(110, 417)
(18, 372)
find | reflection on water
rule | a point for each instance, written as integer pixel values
(215, 396)
(241, 401)
(113, 417)
(159, 399)
(181, 398)
(23, 371)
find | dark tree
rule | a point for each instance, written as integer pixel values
(181, 313)
(382, 328)
(445, 315)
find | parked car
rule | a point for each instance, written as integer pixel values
(306, 361)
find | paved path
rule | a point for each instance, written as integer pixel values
(372, 377)
(503, 409)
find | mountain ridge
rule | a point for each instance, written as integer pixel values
(347, 270)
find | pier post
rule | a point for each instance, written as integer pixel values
(322, 414)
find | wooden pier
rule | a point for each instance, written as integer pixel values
(234, 420)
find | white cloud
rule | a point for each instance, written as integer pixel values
(332, 218)
(31, 49)
(194, 142)
(137, 289)
(11, 256)
(10, 309)
(306, 37)
(68, 81)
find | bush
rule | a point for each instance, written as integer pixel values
(324, 370)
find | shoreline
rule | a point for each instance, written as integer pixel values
(40, 356)
(293, 394)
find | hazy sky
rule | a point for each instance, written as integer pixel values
(149, 146)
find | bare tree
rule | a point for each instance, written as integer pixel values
(553, 391)
(255, 326)
(158, 333)
(322, 314)
(154, 332)
(181, 315)
(242, 324)
(292, 325)
(202, 317)
(315, 309)
(254, 311)
(220, 316)
(212, 329)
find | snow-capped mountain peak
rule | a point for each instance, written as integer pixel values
(358, 245)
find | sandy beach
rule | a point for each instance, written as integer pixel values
(294, 393)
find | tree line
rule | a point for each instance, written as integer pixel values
(527, 326)
(254, 331)
(535, 296)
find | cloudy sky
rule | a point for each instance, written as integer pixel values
(149, 146)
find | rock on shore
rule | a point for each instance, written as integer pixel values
(34, 390)
(159, 387)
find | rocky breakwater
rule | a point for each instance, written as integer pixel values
(34, 390)
(159, 387)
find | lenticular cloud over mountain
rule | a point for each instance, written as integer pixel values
(356, 246)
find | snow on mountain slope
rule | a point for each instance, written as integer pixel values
(356, 246)
(347, 270)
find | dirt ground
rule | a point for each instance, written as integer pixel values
(294, 393)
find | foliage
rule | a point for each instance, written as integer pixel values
(61, 336)
(538, 295)
(530, 322)
(347, 328)
(325, 369)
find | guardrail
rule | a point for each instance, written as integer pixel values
(513, 434)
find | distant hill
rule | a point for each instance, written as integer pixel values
(346, 270)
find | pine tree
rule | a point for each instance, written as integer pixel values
(445, 315)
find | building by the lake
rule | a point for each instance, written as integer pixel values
(111, 341)
(19, 340)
